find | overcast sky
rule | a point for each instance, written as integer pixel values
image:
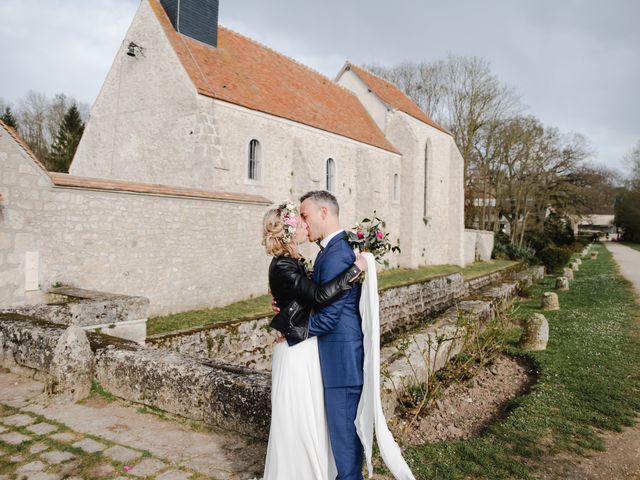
(575, 63)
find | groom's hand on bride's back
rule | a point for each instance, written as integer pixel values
(274, 306)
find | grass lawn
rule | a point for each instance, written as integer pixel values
(262, 305)
(635, 246)
(589, 381)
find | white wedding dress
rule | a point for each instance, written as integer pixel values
(299, 446)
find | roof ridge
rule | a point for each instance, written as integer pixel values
(379, 78)
(298, 62)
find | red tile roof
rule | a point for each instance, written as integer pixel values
(393, 96)
(72, 181)
(244, 72)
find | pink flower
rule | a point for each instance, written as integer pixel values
(359, 233)
(380, 234)
(127, 468)
(291, 221)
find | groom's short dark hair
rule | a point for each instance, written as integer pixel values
(323, 197)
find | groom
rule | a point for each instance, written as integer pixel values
(339, 332)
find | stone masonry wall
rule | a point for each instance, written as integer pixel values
(181, 253)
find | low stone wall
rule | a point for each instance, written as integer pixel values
(249, 342)
(227, 397)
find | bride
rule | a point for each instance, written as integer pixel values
(299, 445)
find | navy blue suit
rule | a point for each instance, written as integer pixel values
(339, 332)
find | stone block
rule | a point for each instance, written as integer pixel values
(38, 447)
(64, 437)
(174, 475)
(57, 456)
(31, 467)
(536, 333)
(14, 438)
(18, 420)
(567, 273)
(42, 428)
(72, 365)
(562, 283)
(89, 445)
(550, 301)
(147, 467)
(122, 454)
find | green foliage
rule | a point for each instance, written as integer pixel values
(8, 118)
(554, 258)
(588, 382)
(627, 215)
(66, 142)
(558, 229)
(503, 248)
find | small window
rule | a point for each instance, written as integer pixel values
(254, 160)
(331, 175)
(396, 187)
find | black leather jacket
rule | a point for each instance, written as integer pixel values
(296, 295)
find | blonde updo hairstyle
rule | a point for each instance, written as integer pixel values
(273, 235)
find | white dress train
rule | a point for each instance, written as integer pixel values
(299, 445)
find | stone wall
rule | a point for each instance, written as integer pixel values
(478, 245)
(223, 396)
(249, 342)
(181, 253)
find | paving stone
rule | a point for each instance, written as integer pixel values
(2, 429)
(19, 420)
(89, 445)
(64, 437)
(38, 447)
(42, 428)
(4, 477)
(147, 467)
(122, 454)
(36, 466)
(101, 471)
(57, 456)
(174, 475)
(14, 438)
(43, 476)
(16, 458)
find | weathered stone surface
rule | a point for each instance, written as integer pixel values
(64, 437)
(36, 466)
(122, 454)
(536, 333)
(57, 456)
(38, 447)
(42, 476)
(42, 428)
(550, 301)
(19, 420)
(14, 438)
(174, 475)
(147, 467)
(89, 445)
(575, 266)
(578, 261)
(562, 283)
(229, 397)
(567, 273)
(72, 365)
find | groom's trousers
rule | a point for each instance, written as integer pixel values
(341, 404)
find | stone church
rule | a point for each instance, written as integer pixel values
(196, 130)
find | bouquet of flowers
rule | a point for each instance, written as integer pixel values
(368, 235)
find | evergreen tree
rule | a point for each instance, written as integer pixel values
(66, 141)
(8, 118)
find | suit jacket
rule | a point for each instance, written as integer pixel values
(338, 325)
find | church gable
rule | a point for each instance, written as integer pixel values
(391, 95)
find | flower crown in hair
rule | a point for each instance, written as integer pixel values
(289, 213)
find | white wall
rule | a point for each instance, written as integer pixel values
(478, 245)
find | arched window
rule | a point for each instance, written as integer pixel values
(426, 165)
(331, 175)
(253, 172)
(396, 187)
